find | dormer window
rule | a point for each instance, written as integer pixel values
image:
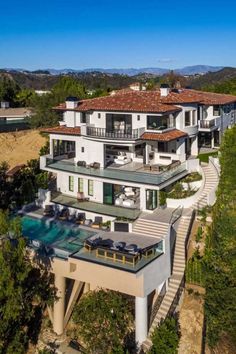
(216, 110)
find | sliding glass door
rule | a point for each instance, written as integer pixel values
(108, 193)
(151, 199)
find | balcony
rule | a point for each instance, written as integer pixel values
(99, 208)
(147, 178)
(209, 124)
(131, 134)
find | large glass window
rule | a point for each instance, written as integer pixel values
(151, 199)
(187, 119)
(71, 183)
(80, 185)
(216, 110)
(90, 187)
(119, 122)
(108, 193)
(62, 147)
(160, 122)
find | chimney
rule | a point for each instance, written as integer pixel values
(72, 102)
(164, 90)
(5, 104)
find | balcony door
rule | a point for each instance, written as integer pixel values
(108, 193)
(151, 199)
(119, 122)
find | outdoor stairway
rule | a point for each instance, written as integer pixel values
(211, 182)
(150, 227)
(175, 279)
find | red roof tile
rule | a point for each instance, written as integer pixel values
(62, 129)
(131, 101)
(149, 101)
(166, 136)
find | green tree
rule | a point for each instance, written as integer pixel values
(25, 97)
(25, 290)
(43, 115)
(220, 299)
(165, 338)
(8, 89)
(103, 321)
(67, 86)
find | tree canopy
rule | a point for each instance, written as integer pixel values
(103, 321)
(220, 300)
(8, 89)
(25, 289)
(165, 338)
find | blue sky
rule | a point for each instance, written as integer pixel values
(117, 34)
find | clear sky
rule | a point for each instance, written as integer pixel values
(116, 34)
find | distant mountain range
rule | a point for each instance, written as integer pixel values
(188, 70)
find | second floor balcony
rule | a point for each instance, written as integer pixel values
(209, 124)
(120, 134)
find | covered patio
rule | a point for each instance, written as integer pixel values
(111, 210)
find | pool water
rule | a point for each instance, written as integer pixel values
(58, 235)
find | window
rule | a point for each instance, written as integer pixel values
(159, 122)
(99, 115)
(187, 119)
(138, 117)
(216, 110)
(82, 149)
(90, 187)
(194, 116)
(71, 183)
(80, 185)
(83, 118)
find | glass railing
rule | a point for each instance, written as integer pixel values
(116, 174)
(114, 134)
(207, 124)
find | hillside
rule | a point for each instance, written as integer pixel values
(213, 78)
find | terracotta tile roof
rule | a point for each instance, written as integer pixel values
(15, 112)
(149, 101)
(167, 136)
(130, 101)
(14, 170)
(62, 129)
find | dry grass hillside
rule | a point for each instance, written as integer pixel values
(19, 147)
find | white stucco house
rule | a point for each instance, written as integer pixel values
(111, 156)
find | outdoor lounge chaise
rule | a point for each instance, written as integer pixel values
(81, 197)
(49, 210)
(97, 222)
(63, 214)
(80, 218)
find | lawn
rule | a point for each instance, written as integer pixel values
(205, 157)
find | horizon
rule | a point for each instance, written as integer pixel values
(115, 35)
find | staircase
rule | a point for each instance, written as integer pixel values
(211, 182)
(150, 227)
(175, 279)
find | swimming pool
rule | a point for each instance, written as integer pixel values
(64, 238)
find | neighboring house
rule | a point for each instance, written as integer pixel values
(111, 157)
(12, 119)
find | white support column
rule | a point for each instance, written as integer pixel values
(51, 146)
(212, 140)
(141, 320)
(194, 146)
(86, 288)
(59, 305)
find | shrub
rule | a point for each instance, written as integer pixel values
(165, 338)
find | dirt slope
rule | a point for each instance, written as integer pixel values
(19, 147)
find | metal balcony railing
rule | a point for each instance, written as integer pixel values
(115, 134)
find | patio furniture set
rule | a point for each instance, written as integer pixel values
(128, 198)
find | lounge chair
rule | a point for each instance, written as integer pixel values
(95, 165)
(97, 222)
(92, 242)
(80, 218)
(81, 197)
(63, 214)
(81, 163)
(49, 210)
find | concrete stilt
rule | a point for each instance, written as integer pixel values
(141, 320)
(59, 305)
(86, 288)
